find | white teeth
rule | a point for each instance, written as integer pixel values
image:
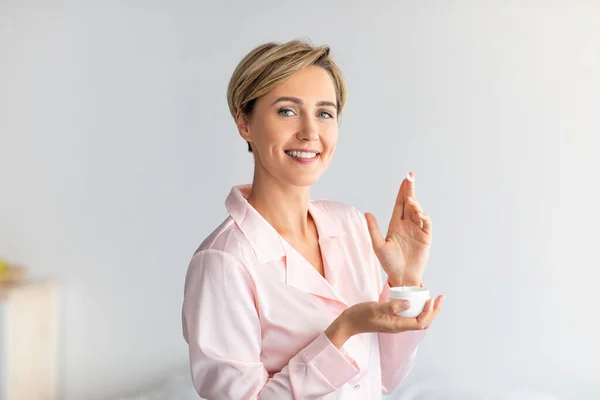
(301, 154)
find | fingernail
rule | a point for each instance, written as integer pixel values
(405, 305)
(410, 199)
(410, 176)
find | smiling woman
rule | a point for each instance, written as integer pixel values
(284, 130)
(285, 298)
(284, 98)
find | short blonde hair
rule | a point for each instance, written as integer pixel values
(270, 64)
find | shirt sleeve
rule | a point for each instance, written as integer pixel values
(222, 328)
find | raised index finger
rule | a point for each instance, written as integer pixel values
(409, 191)
(410, 185)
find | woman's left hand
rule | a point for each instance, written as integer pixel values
(404, 252)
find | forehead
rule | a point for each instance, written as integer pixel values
(311, 84)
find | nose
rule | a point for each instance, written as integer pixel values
(308, 130)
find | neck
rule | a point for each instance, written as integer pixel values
(284, 206)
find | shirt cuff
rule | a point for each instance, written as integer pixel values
(335, 367)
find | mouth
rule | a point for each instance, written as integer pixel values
(303, 156)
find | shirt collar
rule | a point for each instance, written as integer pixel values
(264, 239)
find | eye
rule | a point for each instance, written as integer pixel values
(325, 115)
(286, 112)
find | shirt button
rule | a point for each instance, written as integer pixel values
(357, 386)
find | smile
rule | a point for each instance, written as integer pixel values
(303, 157)
(301, 154)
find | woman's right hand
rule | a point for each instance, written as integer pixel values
(376, 316)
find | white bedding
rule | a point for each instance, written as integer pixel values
(178, 386)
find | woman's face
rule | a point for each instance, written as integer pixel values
(294, 128)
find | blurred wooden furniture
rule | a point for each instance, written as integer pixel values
(29, 367)
(10, 274)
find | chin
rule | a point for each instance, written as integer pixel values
(303, 181)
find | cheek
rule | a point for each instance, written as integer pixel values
(267, 136)
(276, 132)
(330, 139)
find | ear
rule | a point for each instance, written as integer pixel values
(243, 126)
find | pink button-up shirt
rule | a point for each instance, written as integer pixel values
(255, 311)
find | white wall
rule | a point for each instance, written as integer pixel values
(117, 151)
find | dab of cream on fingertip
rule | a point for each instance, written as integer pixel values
(410, 176)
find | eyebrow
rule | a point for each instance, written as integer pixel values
(298, 101)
